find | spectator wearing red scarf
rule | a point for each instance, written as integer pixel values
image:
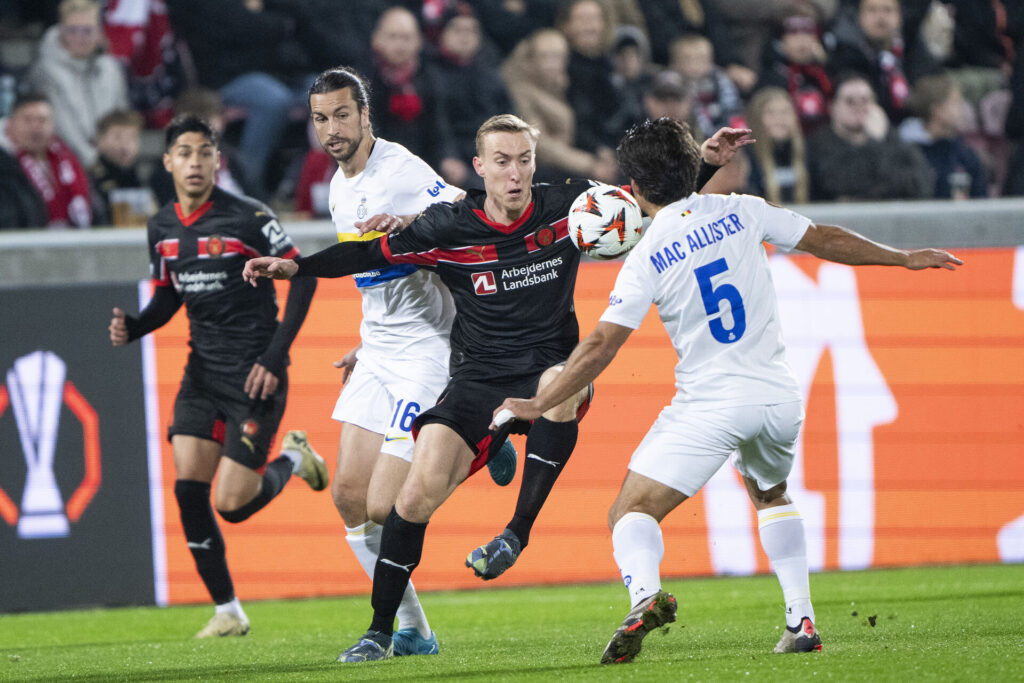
(51, 167)
(471, 86)
(795, 62)
(405, 95)
(871, 44)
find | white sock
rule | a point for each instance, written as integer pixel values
(295, 457)
(233, 607)
(638, 549)
(782, 537)
(365, 543)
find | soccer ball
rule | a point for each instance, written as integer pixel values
(605, 222)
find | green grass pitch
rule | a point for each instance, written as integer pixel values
(949, 623)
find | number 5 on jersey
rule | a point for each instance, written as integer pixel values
(713, 296)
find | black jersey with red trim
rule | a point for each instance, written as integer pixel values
(201, 256)
(512, 284)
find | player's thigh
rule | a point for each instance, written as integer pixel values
(236, 485)
(358, 453)
(569, 408)
(645, 495)
(767, 457)
(466, 408)
(686, 446)
(196, 431)
(389, 474)
(441, 461)
(195, 459)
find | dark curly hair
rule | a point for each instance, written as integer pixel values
(661, 158)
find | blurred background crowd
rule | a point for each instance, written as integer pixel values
(848, 99)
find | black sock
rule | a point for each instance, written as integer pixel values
(204, 539)
(401, 547)
(548, 447)
(274, 479)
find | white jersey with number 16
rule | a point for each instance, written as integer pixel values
(703, 264)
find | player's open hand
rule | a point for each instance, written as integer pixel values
(383, 222)
(118, 328)
(919, 259)
(268, 266)
(347, 364)
(515, 409)
(261, 383)
(720, 148)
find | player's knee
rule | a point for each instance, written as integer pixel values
(350, 500)
(775, 494)
(566, 410)
(378, 510)
(416, 502)
(233, 516)
(618, 510)
(233, 509)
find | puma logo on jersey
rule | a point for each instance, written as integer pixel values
(205, 545)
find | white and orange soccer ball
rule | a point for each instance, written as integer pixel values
(605, 222)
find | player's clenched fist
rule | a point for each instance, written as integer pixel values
(118, 328)
(268, 266)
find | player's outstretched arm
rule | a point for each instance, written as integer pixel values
(270, 267)
(338, 260)
(720, 148)
(834, 243)
(160, 309)
(383, 222)
(588, 359)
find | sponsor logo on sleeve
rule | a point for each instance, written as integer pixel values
(275, 235)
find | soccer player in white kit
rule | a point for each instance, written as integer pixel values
(702, 263)
(402, 363)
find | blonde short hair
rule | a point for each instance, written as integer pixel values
(504, 123)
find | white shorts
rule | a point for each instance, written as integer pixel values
(686, 446)
(387, 402)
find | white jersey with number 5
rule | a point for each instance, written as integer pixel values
(407, 312)
(703, 264)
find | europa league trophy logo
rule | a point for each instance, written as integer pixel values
(36, 387)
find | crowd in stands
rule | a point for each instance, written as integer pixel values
(848, 99)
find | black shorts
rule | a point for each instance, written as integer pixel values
(215, 406)
(467, 408)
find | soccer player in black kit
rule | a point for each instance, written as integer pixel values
(233, 392)
(506, 256)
